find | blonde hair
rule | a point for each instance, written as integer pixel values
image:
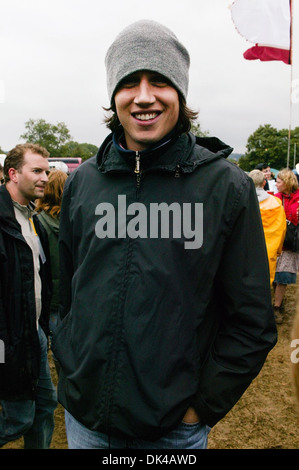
(289, 178)
(51, 201)
(258, 178)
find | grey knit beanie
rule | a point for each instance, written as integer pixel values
(147, 45)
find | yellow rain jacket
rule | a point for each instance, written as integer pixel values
(274, 223)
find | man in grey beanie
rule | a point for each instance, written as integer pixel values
(166, 313)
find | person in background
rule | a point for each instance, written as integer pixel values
(162, 329)
(265, 168)
(27, 394)
(273, 220)
(296, 172)
(288, 262)
(272, 183)
(48, 208)
(1, 175)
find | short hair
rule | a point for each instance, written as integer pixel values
(289, 178)
(258, 178)
(186, 117)
(51, 200)
(15, 157)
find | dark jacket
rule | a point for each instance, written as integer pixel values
(18, 330)
(149, 327)
(51, 225)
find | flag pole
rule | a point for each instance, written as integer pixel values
(291, 83)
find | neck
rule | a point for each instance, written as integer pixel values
(120, 142)
(15, 195)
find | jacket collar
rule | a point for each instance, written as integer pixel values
(167, 155)
(7, 215)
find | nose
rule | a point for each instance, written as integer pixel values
(44, 176)
(145, 93)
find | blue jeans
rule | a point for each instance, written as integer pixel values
(185, 436)
(32, 419)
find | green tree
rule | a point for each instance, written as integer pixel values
(50, 136)
(269, 145)
(74, 149)
(196, 130)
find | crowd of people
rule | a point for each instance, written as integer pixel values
(155, 337)
(275, 212)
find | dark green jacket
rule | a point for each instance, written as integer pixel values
(51, 225)
(150, 327)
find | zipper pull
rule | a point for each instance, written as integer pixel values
(137, 159)
(137, 169)
(177, 171)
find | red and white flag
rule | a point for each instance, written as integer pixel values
(267, 24)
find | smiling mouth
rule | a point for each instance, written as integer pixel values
(146, 116)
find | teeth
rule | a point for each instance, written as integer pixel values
(146, 117)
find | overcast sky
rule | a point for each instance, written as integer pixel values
(52, 67)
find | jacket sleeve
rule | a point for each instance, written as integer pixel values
(247, 330)
(4, 337)
(65, 255)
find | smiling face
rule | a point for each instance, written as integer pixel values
(28, 183)
(267, 172)
(147, 107)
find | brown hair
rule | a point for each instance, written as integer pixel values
(15, 157)
(289, 178)
(186, 117)
(51, 201)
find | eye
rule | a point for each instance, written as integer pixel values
(159, 80)
(129, 82)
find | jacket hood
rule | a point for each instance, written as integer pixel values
(261, 194)
(164, 156)
(270, 210)
(50, 221)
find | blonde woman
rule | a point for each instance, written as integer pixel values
(288, 262)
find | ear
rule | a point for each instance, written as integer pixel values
(13, 175)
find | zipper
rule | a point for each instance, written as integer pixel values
(137, 169)
(177, 171)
